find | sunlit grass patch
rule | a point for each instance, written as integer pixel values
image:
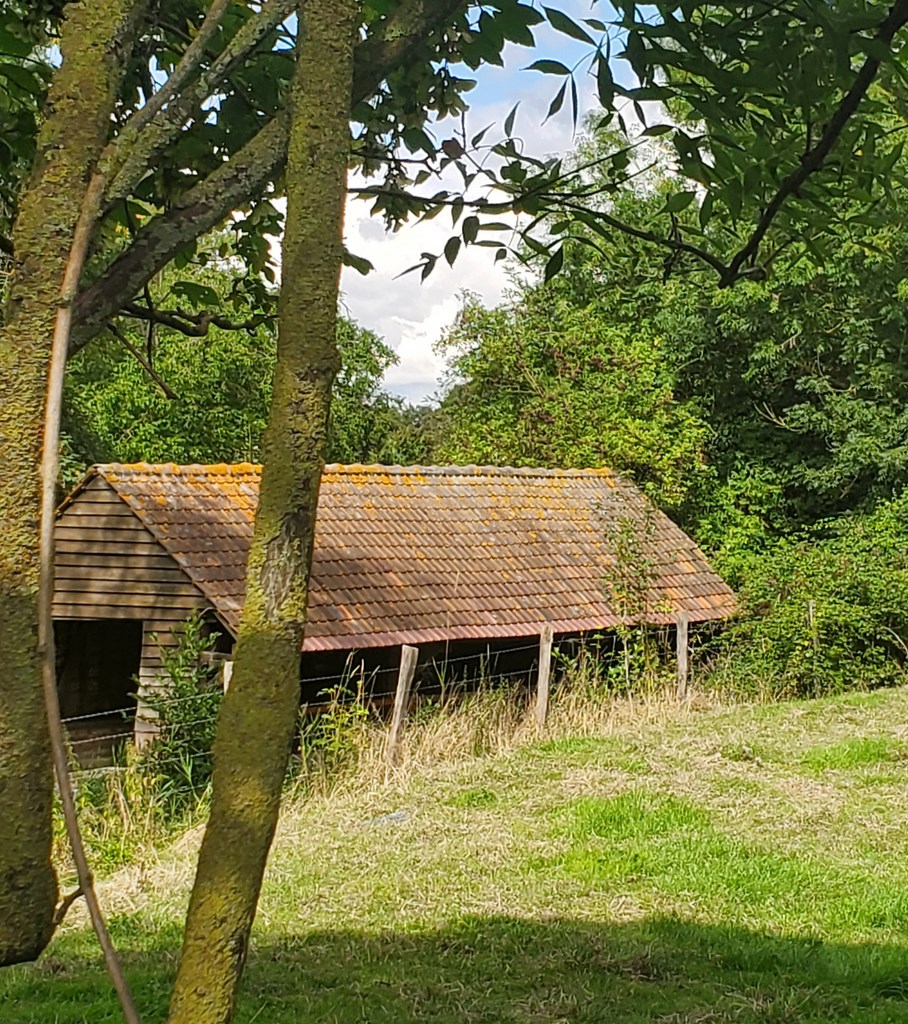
(634, 814)
(545, 881)
(856, 752)
(618, 752)
(479, 798)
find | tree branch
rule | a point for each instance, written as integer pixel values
(185, 69)
(194, 325)
(49, 470)
(247, 174)
(137, 150)
(141, 360)
(65, 904)
(410, 23)
(813, 160)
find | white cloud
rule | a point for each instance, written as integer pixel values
(412, 316)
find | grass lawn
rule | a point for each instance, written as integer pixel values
(732, 865)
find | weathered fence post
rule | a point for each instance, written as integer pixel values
(408, 656)
(682, 647)
(542, 684)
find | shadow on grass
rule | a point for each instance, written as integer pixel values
(658, 970)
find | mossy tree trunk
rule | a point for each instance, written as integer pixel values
(260, 709)
(77, 118)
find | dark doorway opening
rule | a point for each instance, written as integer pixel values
(97, 665)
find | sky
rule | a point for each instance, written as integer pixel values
(412, 316)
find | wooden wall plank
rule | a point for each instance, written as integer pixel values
(136, 586)
(91, 574)
(118, 536)
(107, 606)
(121, 547)
(97, 506)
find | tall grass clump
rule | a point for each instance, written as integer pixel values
(474, 715)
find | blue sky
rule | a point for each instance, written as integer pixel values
(413, 316)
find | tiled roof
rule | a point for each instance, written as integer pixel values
(414, 555)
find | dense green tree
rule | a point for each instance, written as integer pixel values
(547, 381)
(805, 376)
(216, 401)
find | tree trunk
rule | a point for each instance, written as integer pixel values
(261, 706)
(77, 121)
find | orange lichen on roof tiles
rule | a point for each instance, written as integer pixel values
(426, 553)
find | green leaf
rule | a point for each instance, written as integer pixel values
(452, 248)
(509, 120)
(13, 45)
(428, 266)
(706, 209)
(605, 83)
(654, 131)
(470, 229)
(359, 263)
(479, 136)
(679, 201)
(549, 67)
(197, 294)
(21, 77)
(562, 23)
(557, 102)
(536, 245)
(554, 265)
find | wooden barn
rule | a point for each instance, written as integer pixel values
(419, 556)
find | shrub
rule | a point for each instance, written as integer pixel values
(179, 759)
(823, 612)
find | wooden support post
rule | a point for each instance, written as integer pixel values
(408, 656)
(682, 648)
(542, 684)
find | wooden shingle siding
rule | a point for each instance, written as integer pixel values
(108, 566)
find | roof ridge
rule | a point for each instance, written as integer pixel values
(107, 469)
(469, 469)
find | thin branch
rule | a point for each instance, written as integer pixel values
(667, 242)
(65, 904)
(149, 332)
(49, 472)
(141, 360)
(813, 160)
(487, 206)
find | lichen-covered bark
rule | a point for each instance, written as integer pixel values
(75, 129)
(260, 709)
